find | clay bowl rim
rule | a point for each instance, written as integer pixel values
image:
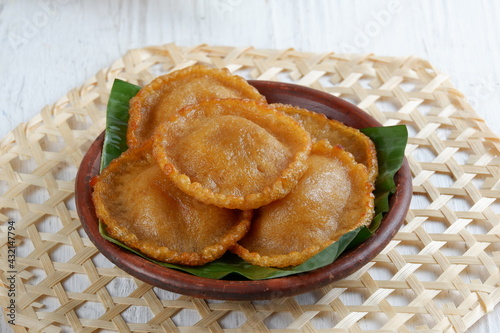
(238, 290)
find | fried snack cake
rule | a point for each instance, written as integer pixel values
(165, 95)
(351, 139)
(238, 154)
(332, 198)
(142, 208)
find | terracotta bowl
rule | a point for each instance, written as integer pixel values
(187, 284)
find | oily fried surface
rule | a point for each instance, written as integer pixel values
(332, 198)
(142, 208)
(165, 95)
(351, 139)
(233, 153)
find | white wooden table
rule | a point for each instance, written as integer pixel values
(50, 46)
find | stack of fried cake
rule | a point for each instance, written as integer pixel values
(212, 167)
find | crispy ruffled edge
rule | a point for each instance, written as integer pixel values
(148, 248)
(295, 258)
(371, 163)
(145, 100)
(281, 187)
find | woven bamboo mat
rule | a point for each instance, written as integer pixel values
(439, 274)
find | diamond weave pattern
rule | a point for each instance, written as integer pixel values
(439, 274)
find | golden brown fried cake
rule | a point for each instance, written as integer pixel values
(351, 139)
(142, 208)
(165, 95)
(332, 198)
(233, 153)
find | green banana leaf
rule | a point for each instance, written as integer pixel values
(390, 143)
(115, 140)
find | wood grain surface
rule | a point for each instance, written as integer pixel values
(49, 47)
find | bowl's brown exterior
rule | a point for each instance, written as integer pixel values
(184, 283)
